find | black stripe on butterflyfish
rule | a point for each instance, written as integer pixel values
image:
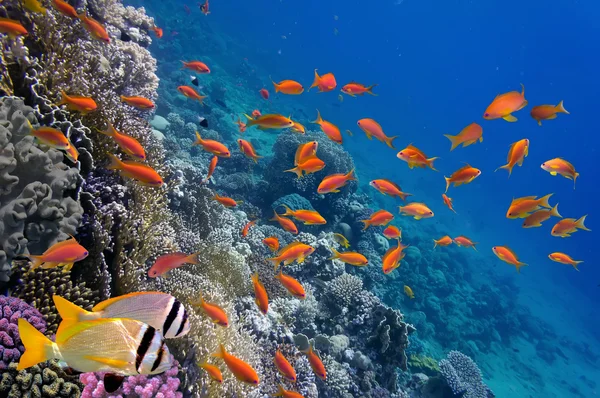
(144, 345)
(159, 355)
(171, 317)
(184, 319)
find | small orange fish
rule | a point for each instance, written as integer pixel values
(282, 392)
(240, 369)
(289, 87)
(560, 166)
(392, 232)
(196, 66)
(308, 165)
(464, 175)
(128, 144)
(377, 219)
(516, 154)
(505, 254)
(373, 129)
(157, 31)
(144, 175)
(564, 259)
(298, 128)
(536, 219)
(565, 227)
(333, 182)
(521, 207)
(270, 121)
(443, 241)
(469, 135)
(291, 285)
(212, 146)
(547, 112)
(315, 363)
(308, 217)
(331, 130)
(505, 104)
(255, 113)
(64, 8)
(463, 241)
(77, 103)
(248, 150)
(138, 102)
(213, 311)
(284, 367)
(260, 294)
(72, 153)
(211, 167)
(295, 251)
(353, 89)
(415, 158)
(51, 137)
(272, 243)
(12, 28)
(226, 201)
(448, 202)
(191, 93)
(352, 258)
(388, 187)
(213, 372)
(62, 254)
(95, 28)
(305, 151)
(417, 210)
(241, 125)
(247, 227)
(391, 259)
(285, 223)
(167, 262)
(324, 83)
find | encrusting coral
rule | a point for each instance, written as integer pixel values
(44, 380)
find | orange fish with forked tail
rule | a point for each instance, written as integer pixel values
(305, 151)
(464, 175)
(353, 89)
(167, 262)
(270, 121)
(212, 146)
(213, 311)
(50, 136)
(448, 202)
(379, 218)
(469, 135)
(324, 83)
(64, 8)
(308, 165)
(315, 363)
(272, 243)
(95, 28)
(521, 207)
(505, 254)
(298, 128)
(391, 259)
(560, 166)
(565, 227)
(127, 143)
(373, 129)
(536, 219)
(388, 187)
(138, 102)
(248, 150)
(463, 241)
(416, 158)
(240, 369)
(285, 223)
(417, 210)
(392, 232)
(196, 66)
(282, 392)
(443, 241)
(213, 371)
(547, 112)
(352, 258)
(226, 201)
(211, 167)
(77, 103)
(516, 154)
(331, 130)
(284, 367)
(308, 217)
(505, 104)
(333, 182)
(191, 93)
(12, 28)
(260, 294)
(291, 285)
(290, 87)
(247, 227)
(145, 175)
(295, 251)
(62, 254)
(564, 259)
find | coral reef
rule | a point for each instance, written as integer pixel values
(463, 376)
(44, 380)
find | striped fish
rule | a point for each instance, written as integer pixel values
(159, 310)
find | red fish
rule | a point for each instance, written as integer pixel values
(264, 93)
(260, 294)
(211, 167)
(64, 8)
(167, 262)
(97, 31)
(191, 93)
(333, 182)
(256, 113)
(196, 66)
(324, 83)
(331, 130)
(226, 201)
(247, 227)
(157, 31)
(353, 89)
(240, 369)
(61, 254)
(144, 175)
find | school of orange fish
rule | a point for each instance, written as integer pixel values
(64, 254)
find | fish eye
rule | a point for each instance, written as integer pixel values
(430, 212)
(486, 114)
(85, 253)
(510, 214)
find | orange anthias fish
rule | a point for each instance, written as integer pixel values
(255, 113)
(241, 125)
(463, 241)
(298, 128)
(285, 223)
(291, 285)
(521, 207)
(564, 259)
(308, 165)
(443, 241)
(212, 146)
(417, 210)
(282, 392)
(392, 232)
(191, 93)
(247, 227)
(315, 363)
(97, 31)
(62, 254)
(464, 175)
(289, 87)
(391, 259)
(536, 219)
(547, 112)
(353, 89)
(138, 102)
(272, 243)
(331, 130)
(469, 135)
(248, 150)
(144, 175)
(128, 144)
(196, 66)
(388, 187)
(379, 218)
(260, 294)
(64, 8)
(51, 137)
(226, 201)
(77, 103)
(508, 256)
(324, 83)
(72, 153)
(308, 217)
(505, 104)
(373, 129)
(284, 367)
(516, 154)
(211, 167)
(565, 227)
(168, 262)
(270, 121)
(240, 369)
(415, 158)
(305, 151)
(213, 311)
(157, 31)
(12, 28)
(295, 251)
(213, 371)
(352, 258)
(333, 182)
(448, 202)
(560, 166)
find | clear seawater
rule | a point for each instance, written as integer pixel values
(438, 64)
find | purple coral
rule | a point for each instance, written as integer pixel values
(11, 309)
(463, 376)
(164, 385)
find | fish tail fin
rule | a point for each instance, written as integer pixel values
(580, 224)
(38, 348)
(275, 261)
(280, 392)
(288, 211)
(430, 163)
(220, 353)
(367, 224)
(388, 141)
(63, 98)
(454, 140)
(575, 264)
(523, 90)
(505, 167)
(115, 162)
(184, 64)
(447, 183)
(434, 243)
(544, 201)
(295, 170)
(575, 179)
(336, 254)
(404, 195)
(370, 89)
(198, 139)
(316, 81)
(275, 85)
(319, 118)
(518, 265)
(193, 259)
(110, 130)
(36, 261)
(69, 312)
(554, 212)
(275, 216)
(350, 176)
(561, 108)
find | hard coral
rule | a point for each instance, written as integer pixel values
(43, 380)
(463, 376)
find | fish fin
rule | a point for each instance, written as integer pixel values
(220, 353)
(350, 176)
(288, 211)
(518, 266)
(454, 140)
(580, 224)
(481, 139)
(336, 254)
(38, 348)
(367, 224)
(349, 133)
(544, 201)
(115, 363)
(115, 162)
(404, 195)
(554, 212)
(448, 182)
(316, 81)
(69, 312)
(198, 139)
(434, 243)
(574, 179)
(553, 173)
(319, 118)
(539, 122)
(467, 143)
(388, 141)
(64, 97)
(112, 382)
(430, 163)
(192, 259)
(369, 135)
(510, 118)
(561, 108)
(36, 261)
(552, 117)
(295, 170)
(370, 90)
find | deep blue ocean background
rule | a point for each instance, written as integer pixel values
(438, 65)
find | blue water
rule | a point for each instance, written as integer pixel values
(438, 64)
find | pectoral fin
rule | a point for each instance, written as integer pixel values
(510, 118)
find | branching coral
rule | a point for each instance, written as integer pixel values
(463, 376)
(345, 289)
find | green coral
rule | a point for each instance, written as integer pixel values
(423, 364)
(43, 380)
